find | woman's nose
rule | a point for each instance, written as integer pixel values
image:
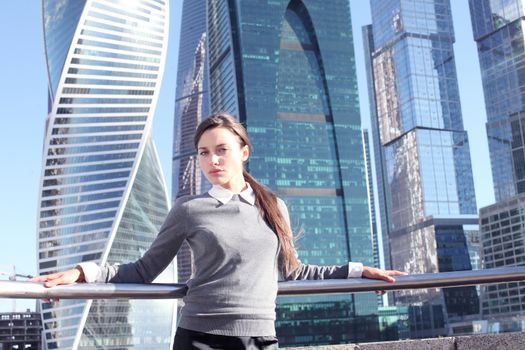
(215, 159)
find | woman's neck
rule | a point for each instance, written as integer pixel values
(236, 188)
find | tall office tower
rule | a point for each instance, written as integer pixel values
(286, 68)
(191, 106)
(371, 197)
(498, 30)
(372, 209)
(427, 192)
(103, 195)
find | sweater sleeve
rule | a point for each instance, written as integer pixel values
(161, 252)
(317, 272)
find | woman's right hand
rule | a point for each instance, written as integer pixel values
(64, 277)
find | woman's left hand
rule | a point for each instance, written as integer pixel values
(378, 274)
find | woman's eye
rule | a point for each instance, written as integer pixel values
(223, 150)
(203, 153)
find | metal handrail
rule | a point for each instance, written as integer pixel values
(33, 290)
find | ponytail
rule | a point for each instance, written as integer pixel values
(266, 201)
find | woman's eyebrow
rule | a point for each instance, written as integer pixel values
(220, 145)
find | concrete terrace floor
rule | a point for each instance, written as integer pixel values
(503, 341)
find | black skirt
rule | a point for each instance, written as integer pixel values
(186, 339)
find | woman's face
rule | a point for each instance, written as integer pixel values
(221, 158)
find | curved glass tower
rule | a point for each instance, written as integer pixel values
(286, 68)
(103, 196)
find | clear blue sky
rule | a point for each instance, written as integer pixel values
(23, 101)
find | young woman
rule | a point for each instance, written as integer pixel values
(241, 239)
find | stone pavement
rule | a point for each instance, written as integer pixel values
(503, 341)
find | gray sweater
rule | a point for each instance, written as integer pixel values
(234, 287)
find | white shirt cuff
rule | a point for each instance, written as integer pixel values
(91, 271)
(355, 270)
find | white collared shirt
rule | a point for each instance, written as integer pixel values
(224, 195)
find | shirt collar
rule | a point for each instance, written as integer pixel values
(224, 195)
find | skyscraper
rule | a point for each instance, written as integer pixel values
(286, 69)
(191, 106)
(498, 31)
(371, 201)
(371, 197)
(427, 193)
(103, 196)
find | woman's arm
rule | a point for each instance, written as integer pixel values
(144, 270)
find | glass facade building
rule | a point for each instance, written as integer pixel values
(103, 196)
(191, 106)
(426, 190)
(498, 28)
(371, 197)
(372, 209)
(286, 69)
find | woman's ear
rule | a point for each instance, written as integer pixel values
(245, 153)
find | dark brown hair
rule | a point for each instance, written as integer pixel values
(265, 199)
